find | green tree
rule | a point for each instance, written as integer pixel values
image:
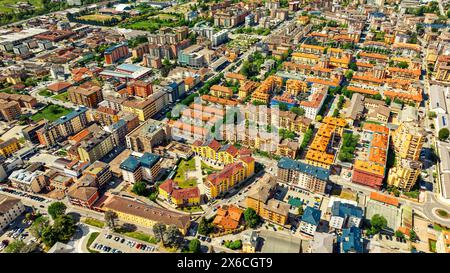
(64, 227)
(56, 209)
(205, 227)
(399, 234)
(140, 188)
(298, 111)
(173, 236)
(15, 247)
(39, 226)
(443, 134)
(319, 118)
(378, 222)
(251, 217)
(403, 65)
(110, 218)
(159, 230)
(194, 246)
(300, 210)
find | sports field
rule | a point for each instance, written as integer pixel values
(99, 17)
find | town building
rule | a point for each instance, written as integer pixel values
(304, 176)
(139, 167)
(310, 221)
(147, 216)
(345, 215)
(148, 135)
(10, 209)
(8, 147)
(351, 240)
(179, 197)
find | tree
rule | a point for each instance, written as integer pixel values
(64, 227)
(319, 118)
(140, 188)
(300, 211)
(39, 225)
(443, 134)
(298, 111)
(403, 65)
(204, 227)
(173, 236)
(56, 209)
(377, 223)
(159, 230)
(251, 217)
(15, 247)
(49, 237)
(110, 218)
(399, 234)
(194, 246)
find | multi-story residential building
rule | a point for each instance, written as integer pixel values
(230, 18)
(442, 68)
(139, 167)
(148, 135)
(87, 94)
(228, 218)
(404, 174)
(10, 209)
(100, 171)
(83, 195)
(408, 140)
(140, 214)
(345, 215)
(310, 221)
(302, 175)
(260, 198)
(351, 240)
(65, 126)
(179, 197)
(314, 104)
(148, 107)
(9, 110)
(215, 154)
(443, 242)
(116, 52)
(30, 132)
(232, 174)
(30, 181)
(9, 146)
(220, 37)
(96, 147)
(140, 88)
(221, 91)
(23, 100)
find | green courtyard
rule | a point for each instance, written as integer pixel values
(183, 168)
(51, 113)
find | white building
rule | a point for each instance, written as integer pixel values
(345, 215)
(438, 103)
(10, 209)
(28, 181)
(220, 37)
(314, 104)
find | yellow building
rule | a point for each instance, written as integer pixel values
(148, 107)
(179, 197)
(140, 214)
(97, 147)
(295, 87)
(405, 174)
(408, 140)
(303, 20)
(214, 154)
(260, 199)
(8, 147)
(220, 182)
(305, 58)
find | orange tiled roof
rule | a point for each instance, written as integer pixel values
(384, 198)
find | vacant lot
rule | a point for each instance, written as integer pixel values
(51, 113)
(99, 17)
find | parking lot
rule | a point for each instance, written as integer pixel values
(18, 193)
(18, 230)
(116, 243)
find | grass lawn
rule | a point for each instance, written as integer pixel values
(440, 228)
(191, 209)
(139, 236)
(180, 176)
(94, 222)
(45, 93)
(432, 245)
(442, 213)
(51, 113)
(6, 6)
(99, 17)
(91, 239)
(164, 16)
(208, 169)
(64, 96)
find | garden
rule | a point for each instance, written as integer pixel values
(51, 113)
